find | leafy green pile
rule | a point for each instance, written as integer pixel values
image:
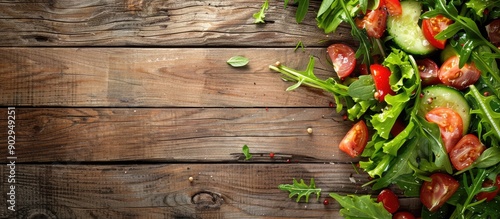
(410, 157)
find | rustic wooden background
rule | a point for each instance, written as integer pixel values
(119, 103)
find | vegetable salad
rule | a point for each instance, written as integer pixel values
(423, 92)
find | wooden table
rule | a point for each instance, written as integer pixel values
(119, 103)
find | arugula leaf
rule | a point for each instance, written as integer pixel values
(490, 119)
(237, 61)
(307, 77)
(301, 189)
(472, 190)
(350, 10)
(246, 152)
(490, 157)
(259, 16)
(431, 133)
(360, 207)
(399, 166)
(480, 5)
(460, 22)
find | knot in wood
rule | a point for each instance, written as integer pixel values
(207, 200)
(40, 214)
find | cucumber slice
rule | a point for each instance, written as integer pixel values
(447, 52)
(405, 30)
(443, 96)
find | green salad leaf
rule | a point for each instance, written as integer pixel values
(238, 61)
(358, 207)
(261, 14)
(301, 189)
(246, 152)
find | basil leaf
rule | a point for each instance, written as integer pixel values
(238, 61)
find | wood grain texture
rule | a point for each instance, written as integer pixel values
(157, 23)
(164, 191)
(176, 134)
(128, 77)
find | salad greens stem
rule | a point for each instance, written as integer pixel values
(485, 111)
(471, 190)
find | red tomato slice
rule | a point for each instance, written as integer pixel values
(466, 151)
(389, 200)
(343, 59)
(435, 193)
(393, 7)
(381, 76)
(428, 71)
(433, 26)
(403, 215)
(450, 124)
(354, 142)
(451, 75)
(374, 22)
(489, 195)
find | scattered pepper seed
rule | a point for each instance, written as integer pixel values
(191, 179)
(309, 130)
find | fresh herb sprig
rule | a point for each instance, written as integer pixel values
(261, 14)
(301, 189)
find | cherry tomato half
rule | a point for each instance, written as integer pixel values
(459, 78)
(403, 215)
(466, 151)
(381, 76)
(343, 58)
(393, 7)
(374, 22)
(433, 26)
(450, 124)
(489, 195)
(389, 200)
(428, 71)
(434, 193)
(354, 142)
(493, 30)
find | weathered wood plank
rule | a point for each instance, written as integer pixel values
(153, 77)
(157, 23)
(164, 191)
(176, 134)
